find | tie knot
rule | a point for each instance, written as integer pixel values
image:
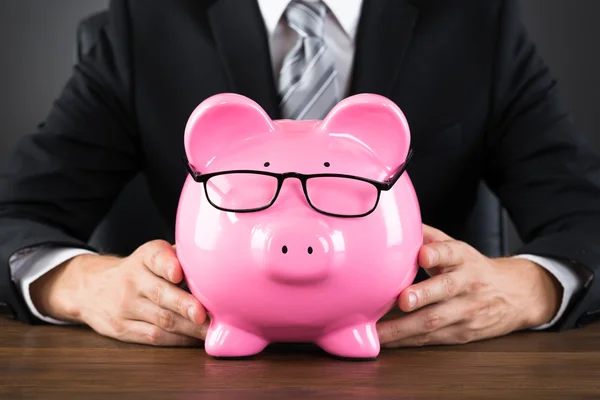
(307, 18)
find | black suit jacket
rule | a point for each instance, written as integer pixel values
(480, 102)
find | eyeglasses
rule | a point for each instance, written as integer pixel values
(336, 195)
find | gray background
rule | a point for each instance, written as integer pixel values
(37, 40)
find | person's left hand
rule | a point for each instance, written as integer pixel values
(469, 297)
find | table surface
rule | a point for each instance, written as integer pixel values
(52, 362)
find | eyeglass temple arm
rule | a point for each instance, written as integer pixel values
(391, 180)
(189, 168)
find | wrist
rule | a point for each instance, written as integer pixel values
(542, 291)
(59, 293)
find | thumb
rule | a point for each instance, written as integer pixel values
(431, 234)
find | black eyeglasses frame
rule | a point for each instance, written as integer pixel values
(386, 185)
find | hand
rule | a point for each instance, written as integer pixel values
(135, 299)
(469, 297)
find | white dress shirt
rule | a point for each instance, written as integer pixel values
(340, 30)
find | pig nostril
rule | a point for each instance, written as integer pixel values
(284, 249)
(310, 250)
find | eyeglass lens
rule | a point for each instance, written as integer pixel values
(334, 195)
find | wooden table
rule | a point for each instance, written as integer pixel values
(50, 362)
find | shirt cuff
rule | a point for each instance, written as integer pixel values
(569, 280)
(28, 267)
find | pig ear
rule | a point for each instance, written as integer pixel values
(220, 121)
(376, 122)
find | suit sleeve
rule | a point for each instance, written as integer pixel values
(63, 178)
(543, 170)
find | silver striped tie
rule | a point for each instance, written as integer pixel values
(307, 81)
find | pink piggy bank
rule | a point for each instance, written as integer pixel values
(297, 231)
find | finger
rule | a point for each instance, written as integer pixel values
(147, 311)
(442, 254)
(433, 290)
(431, 234)
(426, 321)
(459, 333)
(480, 320)
(160, 258)
(455, 334)
(204, 329)
(170, 297)
(147, 333)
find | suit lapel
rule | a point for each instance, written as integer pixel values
(242, 43)
(383, 37)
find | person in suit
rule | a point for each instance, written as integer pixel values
(481, 103)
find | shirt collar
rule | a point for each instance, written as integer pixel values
(347, 12)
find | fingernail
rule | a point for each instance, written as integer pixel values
(169, 269)
(432, 255)
(412, 300)
(191, 313)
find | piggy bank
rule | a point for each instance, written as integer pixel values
(297, 231)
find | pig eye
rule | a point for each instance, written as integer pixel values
(327, 164)
(267, 164)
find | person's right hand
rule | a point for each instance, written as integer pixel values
(134, 299)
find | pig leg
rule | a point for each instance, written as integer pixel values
(226, 341)
(356, 341)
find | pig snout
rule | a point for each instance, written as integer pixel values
(297, 253)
